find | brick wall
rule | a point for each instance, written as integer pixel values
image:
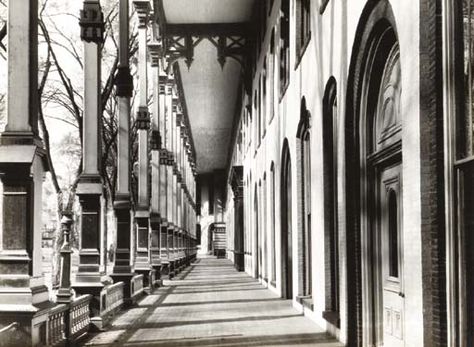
(432, 182)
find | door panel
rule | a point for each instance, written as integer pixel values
(389, 227)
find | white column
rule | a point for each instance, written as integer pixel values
(142, 212)
(22, 166)
(123, 270)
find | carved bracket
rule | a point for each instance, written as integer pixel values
(229, 39)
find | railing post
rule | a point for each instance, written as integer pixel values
(64, 295)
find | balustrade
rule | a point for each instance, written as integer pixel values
(79, 316)
(56, 325)
(114, 298)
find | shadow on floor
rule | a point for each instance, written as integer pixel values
(218, 302)
(317, 339)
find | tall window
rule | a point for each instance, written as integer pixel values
(303, 26)
(331, 240)
(461, 156)
(284, 46)
(272, 224)
(466, 119)
(305, 193)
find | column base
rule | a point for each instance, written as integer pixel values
(128, 298)
(148, 277)
(158, 282)
(165, 269)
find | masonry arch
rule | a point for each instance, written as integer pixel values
(373, 163)
(286, 224)
(272, 225)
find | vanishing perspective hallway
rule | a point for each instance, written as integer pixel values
(211, 304)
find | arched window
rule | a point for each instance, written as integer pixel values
(304, 169)
(264, 99)
(284, 46)
(272, 224)
(303, 27)
(256, 226)
(265, 227)
(271, 74)
(331, 239)
(286, 224)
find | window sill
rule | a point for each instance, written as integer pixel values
(332, 317)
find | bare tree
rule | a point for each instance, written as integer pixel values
(59, 90)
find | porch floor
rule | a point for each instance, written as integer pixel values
(210, 304)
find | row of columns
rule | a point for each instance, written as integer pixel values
(159, 228)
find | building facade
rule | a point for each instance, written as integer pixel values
(352, 156)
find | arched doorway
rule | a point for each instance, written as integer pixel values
(257, 233)
(374, 183)
(286, 229)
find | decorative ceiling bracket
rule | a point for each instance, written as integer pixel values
(229, 39)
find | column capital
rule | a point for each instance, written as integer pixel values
(92, 22)
(143, 8)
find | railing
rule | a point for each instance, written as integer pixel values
(57, 325)
(79, 316)
(114, 297)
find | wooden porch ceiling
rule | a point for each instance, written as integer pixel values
(206, 40)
